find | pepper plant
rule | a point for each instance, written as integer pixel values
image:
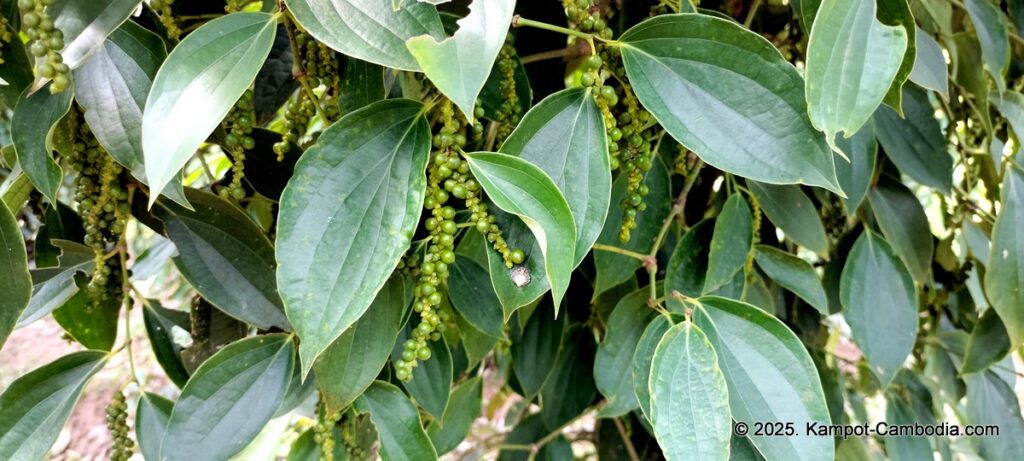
(414, 229)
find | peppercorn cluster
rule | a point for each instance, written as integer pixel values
(117, 423)
(508, 114)
(5, 35)
(239, 140)
(348, 437)
(46, 43)
(164, 12)
(323, 431)
(318, 68)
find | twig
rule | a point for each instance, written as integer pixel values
(751, 13)
(298, 73)
(625, 440)
(574, 51)
(621, 251)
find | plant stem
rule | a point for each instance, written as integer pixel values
(519, 21)
(126, 301)
(298, 72)
(621, 251)
(625, 440)
(750, 14)
(678, 205)
(574, 51)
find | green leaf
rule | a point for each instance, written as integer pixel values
(880, 304)
(1011, 105)
(625, 326)
(86, 24)
(459, 417)
(352, 361)
(521, 188)
(855, 176)
(930, 69)
(197, 86)
(35, 407)
(1005, 275)
(151, 416)
(689, 397)
(32, 127)
(564, 135)
(688, 266)
(970, 73)
(612, 268)
(398, 423)
(52, 287)
(16, 284)
(160, 325)
(770, 376)
(229, 399)
(370, 30)
(730, 244)
(471, 293)
(707, 79)
(905, 226)
(16, 71)
(989, 343)
(570, 388)
(112, 86)
(227, 258)
(848, 44)
(431, 382)
(898, 412)
(93, 326)
(347, 217)
(475, 343)
(530, 430)
(916, 144)
(362, 84)
(459, 65)
(492, 98)
(793, 274)
(789, 208)
(994, 38)
(990, 400)
(15, 189)
(274, 84)
(643, 359)
(535, 350)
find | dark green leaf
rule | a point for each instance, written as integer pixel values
(160, 325)
(274, 83)
(151, 418)
(229, 399)
(770, 375)
(491, 97)
(905, 226)
(32, 127)
(91, 324)
(694, 73)
(930, 69)
(431, 383)
(398, 423)
(471, 293)
(197, 86)
(689, 397)
(570, 388)
(227, 258)
(880, 304)
(991, 401)
(994, 38)
(855, 176)
(988, 343)
(458, 418)
(1005, 275)
(34, 408)
(793, 274)
(790, 210)
(16, 283)
(615, 353)
(475, 343)
(916, 144)
(347, 216)
(352, 361)
(16, 71)
(643, 358)
(535, 350)
(370, 30)
(54, 286)
(904, 448)
(362, 84)
(730, 244)
(689, 263)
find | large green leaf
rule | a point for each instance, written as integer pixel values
(229, 399)
(227, 258)
(34, 408)
(521, 188)
(535, 350)
(353, 360)
(905, 226)
(160, 326)
(431, 383)
(897, 13)
(197, 86)
(994, 38)
(852, 59)
(855, 175)
(710, 83)
(880, 304)
(347, 216)
(471, 293)
(730, 244)
(789, 208)
(93, 325)
(612, 268)
(151, 416)
(570, 388)
(398, 423)
(459, 65)
(916, 143)
(52, 287)
(688, 266)
(565, 136)
(930, 69)
(370, 30)
(625, 326)
(643, 359)
(689, 397)
(86, 24)
(16, 283)
(770, 376)
(989, 343)
(112, 86)
(990, 400)
(459, 417)
(32, 126)
(1005, 275)
(793, 274)
(899, 412)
